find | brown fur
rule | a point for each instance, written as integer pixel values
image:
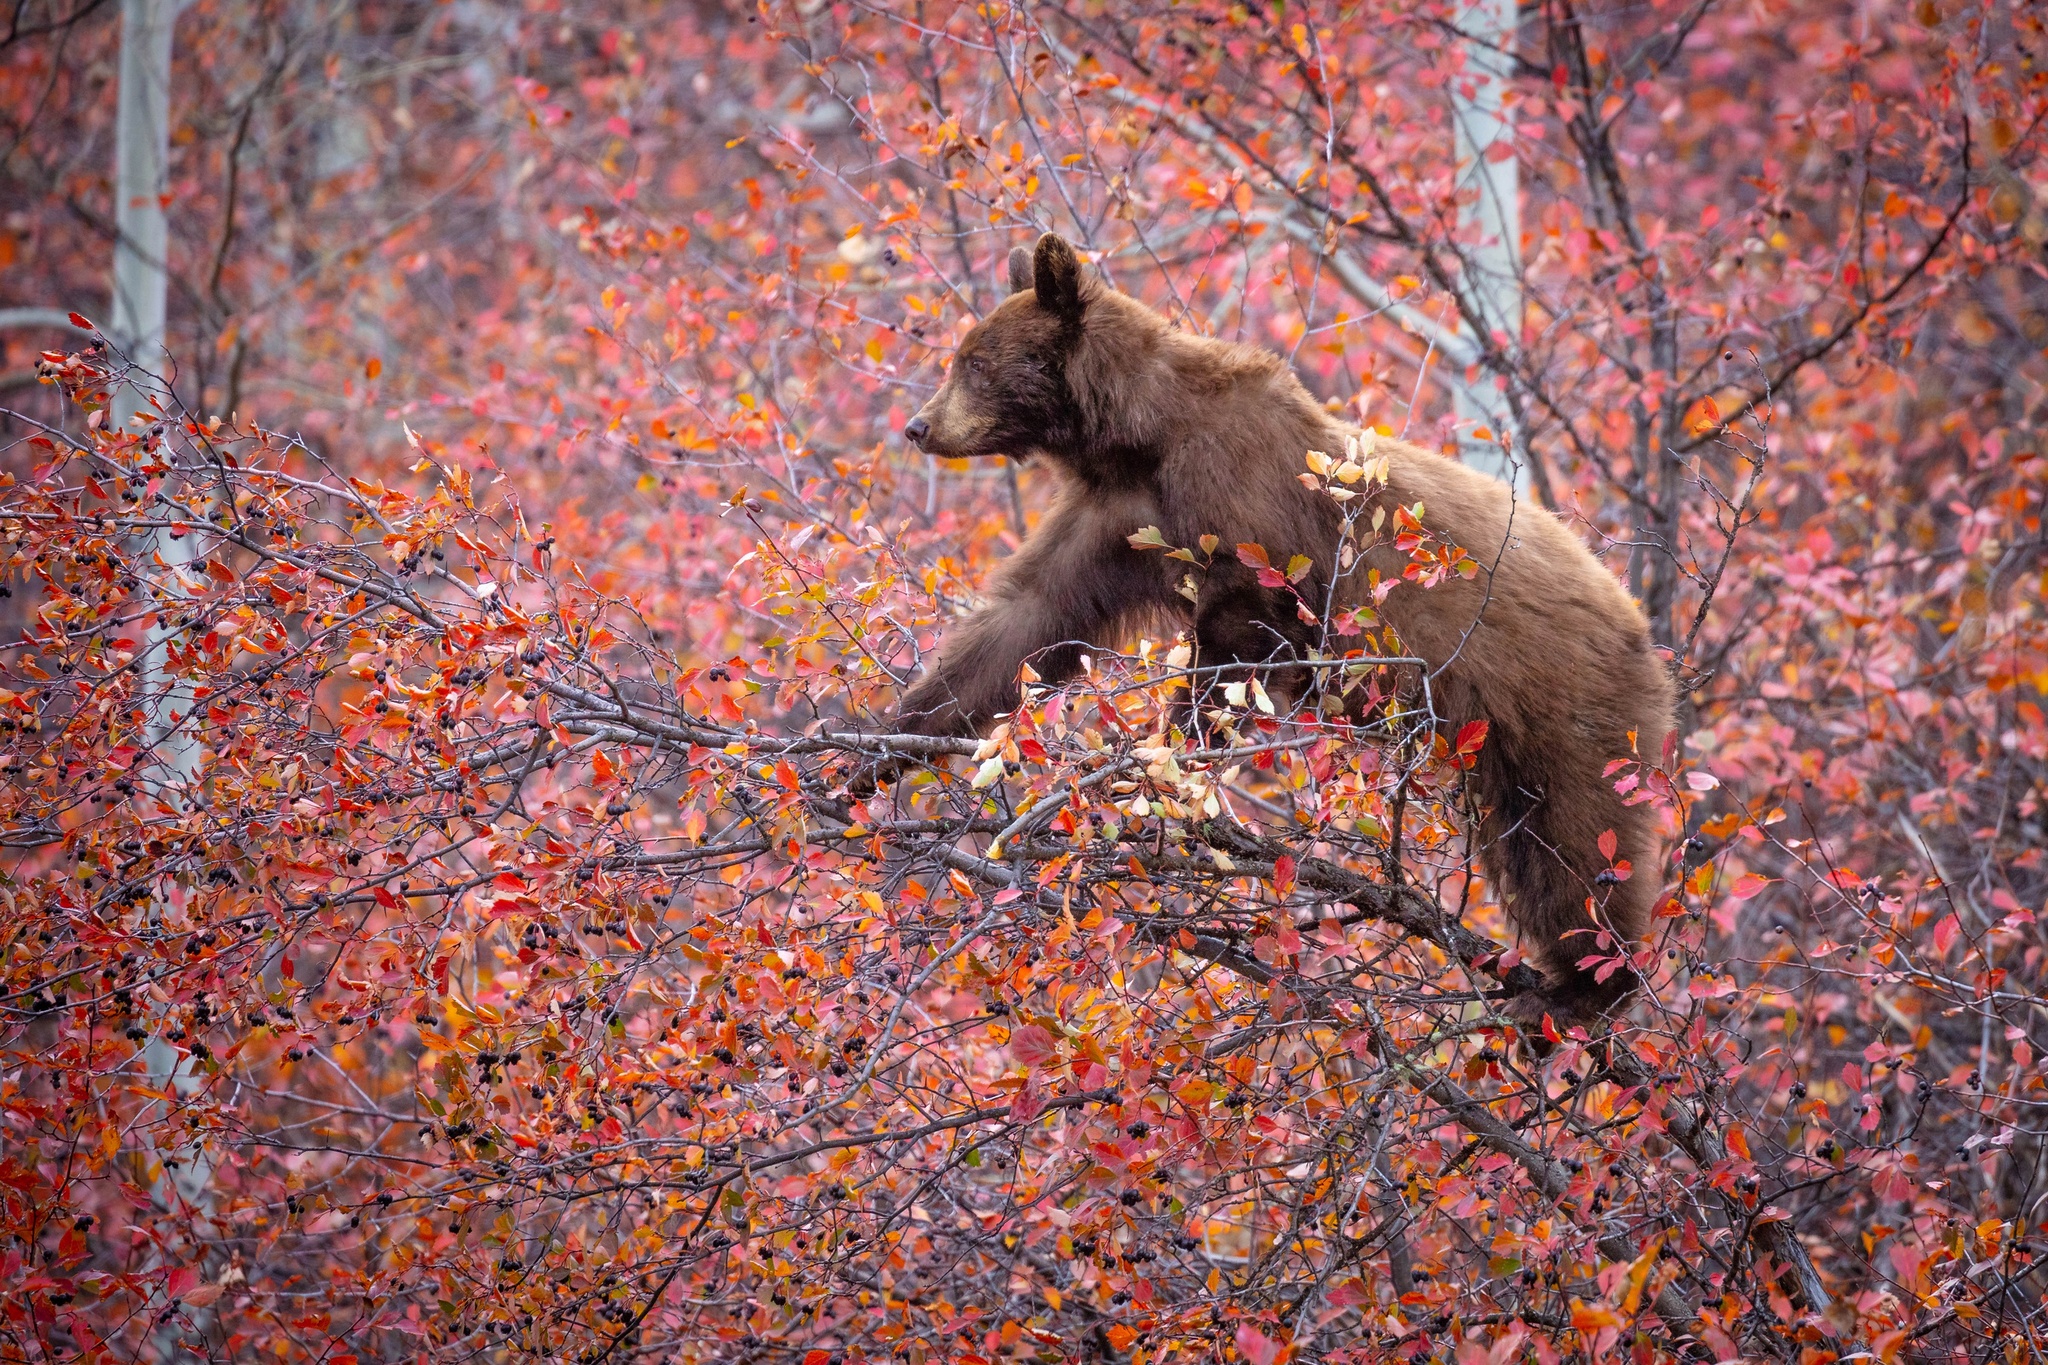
(1149, 426)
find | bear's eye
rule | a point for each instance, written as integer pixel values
(975, 364)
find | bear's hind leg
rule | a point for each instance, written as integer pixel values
(1577, 920)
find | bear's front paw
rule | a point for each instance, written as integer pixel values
(870, 774)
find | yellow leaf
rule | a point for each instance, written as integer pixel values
(1639, 1273)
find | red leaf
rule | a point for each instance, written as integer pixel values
(79, 321)
(1029, 1101)
(1470, 736)
(1945, 934)
(1033, 1045)
(1747, 885)
(1254, 557)
(1608, 843)
(1254, 1345)
(1283, 874)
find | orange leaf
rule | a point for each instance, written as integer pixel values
(1591, 1317)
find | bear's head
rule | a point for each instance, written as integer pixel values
(1006, 392)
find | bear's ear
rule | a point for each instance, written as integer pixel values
(1056, 275)
(1020, 269)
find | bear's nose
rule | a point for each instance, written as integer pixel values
(917, 430)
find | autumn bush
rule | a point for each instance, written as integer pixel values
(437, 923)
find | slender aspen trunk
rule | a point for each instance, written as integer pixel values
(140, 304)
(142, 154)
(1490, 227)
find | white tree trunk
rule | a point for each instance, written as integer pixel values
(1490, 226)
(141, 290)
(141, 159)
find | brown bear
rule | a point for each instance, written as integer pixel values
(1148, 426)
